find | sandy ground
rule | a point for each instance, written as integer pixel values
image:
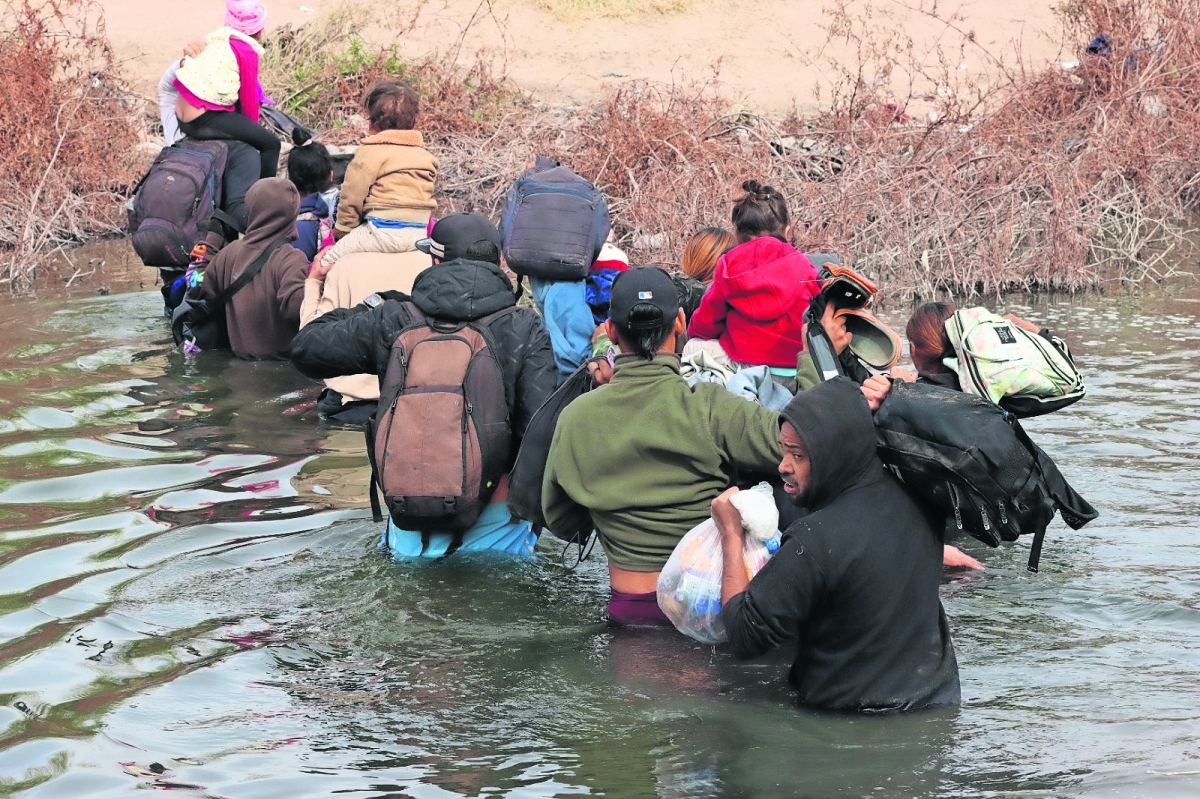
(768, 53)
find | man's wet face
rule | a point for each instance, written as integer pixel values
(795, 467)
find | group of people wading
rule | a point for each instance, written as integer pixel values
(703, 383)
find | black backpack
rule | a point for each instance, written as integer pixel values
(174, 202)
(553, 223)
(971, 461)
(525, 482)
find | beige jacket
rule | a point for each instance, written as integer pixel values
(392, 176)
(350, 281)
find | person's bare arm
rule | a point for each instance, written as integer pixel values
(729, 524)
(1024, 324)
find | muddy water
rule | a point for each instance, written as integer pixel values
(191, 598)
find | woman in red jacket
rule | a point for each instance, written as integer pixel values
(761, 288)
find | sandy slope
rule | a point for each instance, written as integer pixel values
(763, 48)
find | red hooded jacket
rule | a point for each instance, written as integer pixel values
(754, 306)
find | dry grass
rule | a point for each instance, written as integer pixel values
(571, 10)
(67, 135)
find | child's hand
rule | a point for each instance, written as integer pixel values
(319, 270)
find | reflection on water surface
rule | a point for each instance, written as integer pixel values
(190, 598)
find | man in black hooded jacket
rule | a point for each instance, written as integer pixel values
(855, 581)
(465, 284)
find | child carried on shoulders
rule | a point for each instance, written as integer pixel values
(387, 195)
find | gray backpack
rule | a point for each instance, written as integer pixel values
(553, 223)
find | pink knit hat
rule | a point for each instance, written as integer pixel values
(245, 16)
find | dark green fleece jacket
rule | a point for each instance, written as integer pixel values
(646, 454)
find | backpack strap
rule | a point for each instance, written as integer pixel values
(245, 277)
(228, 220)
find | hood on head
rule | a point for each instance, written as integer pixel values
(834, 423)
(271, 207)
(462, 290)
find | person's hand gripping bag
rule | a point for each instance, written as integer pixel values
(689, 586)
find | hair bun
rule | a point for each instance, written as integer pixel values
(752, 187)
(302, 137)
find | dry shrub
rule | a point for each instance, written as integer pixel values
(922, 174)
(67, 137)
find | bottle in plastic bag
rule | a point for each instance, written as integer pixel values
(689, 586)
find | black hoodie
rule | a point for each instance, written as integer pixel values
(856, 580)
(348, 341)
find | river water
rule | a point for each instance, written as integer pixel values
(191, 598)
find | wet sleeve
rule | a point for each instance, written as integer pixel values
(564, 515)
(345, 341)
(708, 322)
(248, 89)
(746, 432)
(537, 375)
(776, 604)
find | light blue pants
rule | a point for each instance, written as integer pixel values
(494, 531)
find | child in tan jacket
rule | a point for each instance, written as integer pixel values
(387, 196)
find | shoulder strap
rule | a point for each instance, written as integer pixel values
(221, 216)
(245, 277)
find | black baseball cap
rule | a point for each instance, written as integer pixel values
(453, 235)
(643, 285)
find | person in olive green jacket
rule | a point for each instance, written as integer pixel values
(641, 458)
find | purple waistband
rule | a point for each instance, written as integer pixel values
(636, 610)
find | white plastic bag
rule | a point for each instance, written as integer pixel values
(689, 586)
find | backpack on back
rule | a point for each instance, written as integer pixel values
(175, 200)
(553, 223)
(440, 441)
(970, 460)
(525, 483)
(1018, 370)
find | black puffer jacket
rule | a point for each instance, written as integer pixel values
(358, 340)
(855, 581)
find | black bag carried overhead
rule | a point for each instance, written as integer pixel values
(972, 461)
(553, 223)
(201, 323)
(525, 482)
(173, 203)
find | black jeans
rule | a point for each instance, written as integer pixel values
(241, 172)
(238, 127)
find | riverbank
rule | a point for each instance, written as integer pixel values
(926, 176)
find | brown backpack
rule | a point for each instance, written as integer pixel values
(440, 440)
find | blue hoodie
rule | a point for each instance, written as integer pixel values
(568, 320)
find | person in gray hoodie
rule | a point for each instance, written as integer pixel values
(264, 316)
